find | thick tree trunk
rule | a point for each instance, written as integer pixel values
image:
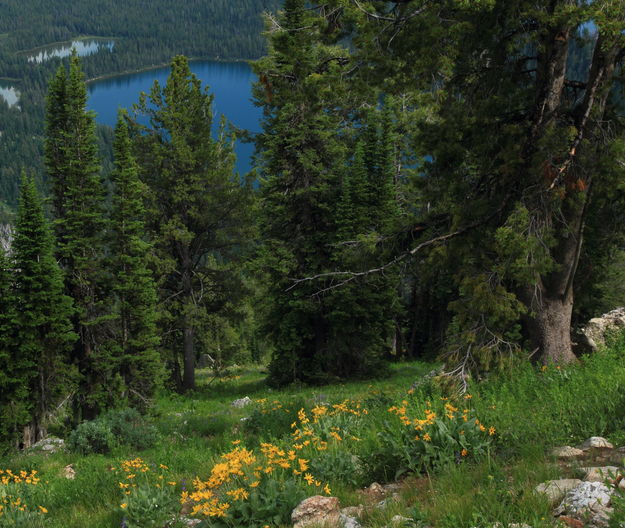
(550, 329)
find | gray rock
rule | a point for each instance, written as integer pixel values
(594, 334)
(388, 501)
(347, 521)
(599, 474)
(564, 452)
(555, 490)
(585, 498)
(187, 521)
(596, 442)
(49, 445)
(316, 510)
(241, 402)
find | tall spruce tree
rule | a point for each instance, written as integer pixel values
(13, 391)
(301, 153)
(199, 211)
(78, 198)
(44, 336)
(136, 339)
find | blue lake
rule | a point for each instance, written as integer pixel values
(230, 82)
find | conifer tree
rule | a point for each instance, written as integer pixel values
(12, 411)
(44, 335)
(78, 198)
(136, 339)
(199, 210)
(301, 155)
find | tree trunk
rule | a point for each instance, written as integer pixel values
(549, 329)
(188, 378)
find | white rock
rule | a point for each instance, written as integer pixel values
(555, 490)
(69, 472)
(596, 442)
(347, 521)
(50, 445)
(241, 402)
(566, 452)
(316, 510)
(599, 474)
(400, 519)
(585, 497)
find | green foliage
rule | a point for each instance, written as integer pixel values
(271, 503)
(78, 199)
(117, 428)
(94, 436)
(199, 212)
(137, 357)
(422, 439)
(131, 429)
(44, 335)
(149, 505)
(315, 201)
(552, 405)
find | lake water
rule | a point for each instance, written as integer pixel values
(64, 49)
(230, 82)
(9, 94)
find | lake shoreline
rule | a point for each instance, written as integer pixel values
(157, 66)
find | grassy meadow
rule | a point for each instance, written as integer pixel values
(459, 461)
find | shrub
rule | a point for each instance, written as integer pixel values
(131, 429)
(149, 496)
(92, 437)
(125, 427)
(424, 436)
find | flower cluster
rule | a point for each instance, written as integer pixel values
(241, 473)
(137, 472)
(452, 427)
(14, 489)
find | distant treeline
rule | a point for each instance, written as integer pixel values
(145, 33)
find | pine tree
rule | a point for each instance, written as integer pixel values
(78, 198)
(199, 211)
(13, 412)
(136, 353)
(301, 155)
(44, 335)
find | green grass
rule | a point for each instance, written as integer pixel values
(531, 409)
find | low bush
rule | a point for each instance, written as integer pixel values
(91, 437)
(125, 427)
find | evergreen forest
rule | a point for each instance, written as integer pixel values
(401, 283)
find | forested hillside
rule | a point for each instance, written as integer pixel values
(144, 34)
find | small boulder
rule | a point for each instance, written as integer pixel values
(594, 334)
(69, 472)
(596, 442)
(599, 474)
(316, 510)
(241, 402)
(566, 452)
(346, 521)
(585, 498)
(571, 522)
(555, 490)
(49, 445)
